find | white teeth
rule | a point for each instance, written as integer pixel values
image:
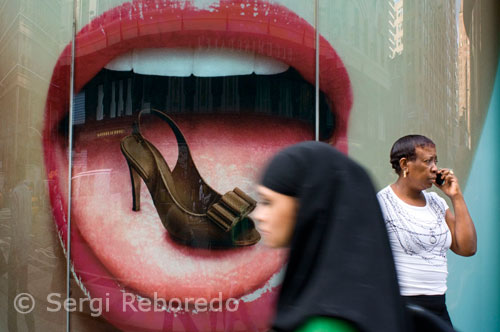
(163, 61)
(265, 65)
(183, 62)
(221, 62)
(121, 63)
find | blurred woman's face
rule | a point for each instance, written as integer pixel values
(276, 216)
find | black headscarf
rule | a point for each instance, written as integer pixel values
(340, 262)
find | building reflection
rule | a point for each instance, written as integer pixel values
(405, 59)
(431, 54)
(32, 34)
(396, 28)
(464, 79)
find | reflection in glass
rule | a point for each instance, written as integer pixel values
(32, 34)
(405, 73)
(116, 94)
(236, 99)
(19, 251)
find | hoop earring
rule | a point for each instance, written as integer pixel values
(404, 173)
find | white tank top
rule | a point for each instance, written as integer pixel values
(420, 239)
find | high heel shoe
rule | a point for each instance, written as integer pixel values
(193, 213)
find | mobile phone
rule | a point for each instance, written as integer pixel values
(439, 179)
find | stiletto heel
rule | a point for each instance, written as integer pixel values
(192, 212)
(136, 188)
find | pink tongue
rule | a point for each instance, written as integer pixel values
(229, 150)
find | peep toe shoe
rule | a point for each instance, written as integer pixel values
(193, 213)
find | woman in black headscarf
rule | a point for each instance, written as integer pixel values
(340, 274)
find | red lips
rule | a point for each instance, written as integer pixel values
(262, 28)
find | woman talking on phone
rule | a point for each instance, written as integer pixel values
(420, 224)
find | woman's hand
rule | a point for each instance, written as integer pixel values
(463, 232)
(450, 184)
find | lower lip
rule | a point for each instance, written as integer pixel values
(260, 138)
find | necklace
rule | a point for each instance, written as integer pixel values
(424, 238)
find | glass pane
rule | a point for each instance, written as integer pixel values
(236, 78)
(424, 67)
(402, 62)
(32, 262)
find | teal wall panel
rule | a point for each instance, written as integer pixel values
(473, 295)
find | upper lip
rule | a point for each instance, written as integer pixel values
(275, 32)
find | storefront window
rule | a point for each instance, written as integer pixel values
(116, 149)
